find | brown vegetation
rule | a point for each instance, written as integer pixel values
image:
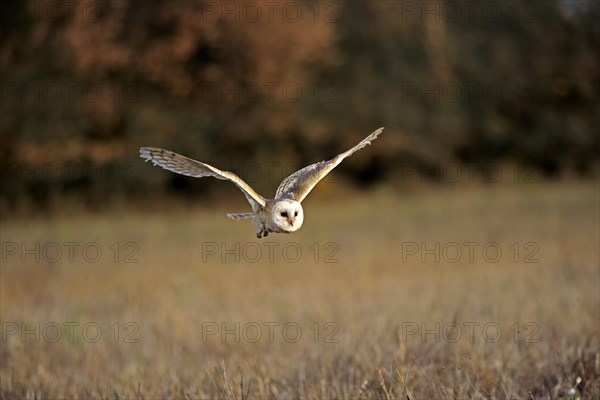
(545, 301)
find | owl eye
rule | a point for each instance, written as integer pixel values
(284, 214)
(296, 214)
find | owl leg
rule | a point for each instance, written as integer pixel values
(262, 233)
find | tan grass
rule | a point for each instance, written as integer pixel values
(372, 296)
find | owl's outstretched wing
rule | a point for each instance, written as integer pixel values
(186, 166)
(300, 183)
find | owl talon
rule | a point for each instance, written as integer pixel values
(262, 233)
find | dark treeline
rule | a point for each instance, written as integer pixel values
(260, 88)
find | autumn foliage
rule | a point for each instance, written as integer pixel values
(85, 83)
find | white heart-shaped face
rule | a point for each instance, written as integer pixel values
(288, 215)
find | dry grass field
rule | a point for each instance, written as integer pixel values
(472, 292)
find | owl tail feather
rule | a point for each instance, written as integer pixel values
(240, 216)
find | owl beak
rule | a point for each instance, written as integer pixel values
(290, 221)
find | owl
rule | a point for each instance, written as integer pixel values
(282, 214)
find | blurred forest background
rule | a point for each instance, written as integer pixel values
(85, 83)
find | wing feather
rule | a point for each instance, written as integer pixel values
(300, 183)
(186, 166)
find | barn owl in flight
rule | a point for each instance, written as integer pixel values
(283, 214)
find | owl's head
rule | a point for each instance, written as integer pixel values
(288, 215)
